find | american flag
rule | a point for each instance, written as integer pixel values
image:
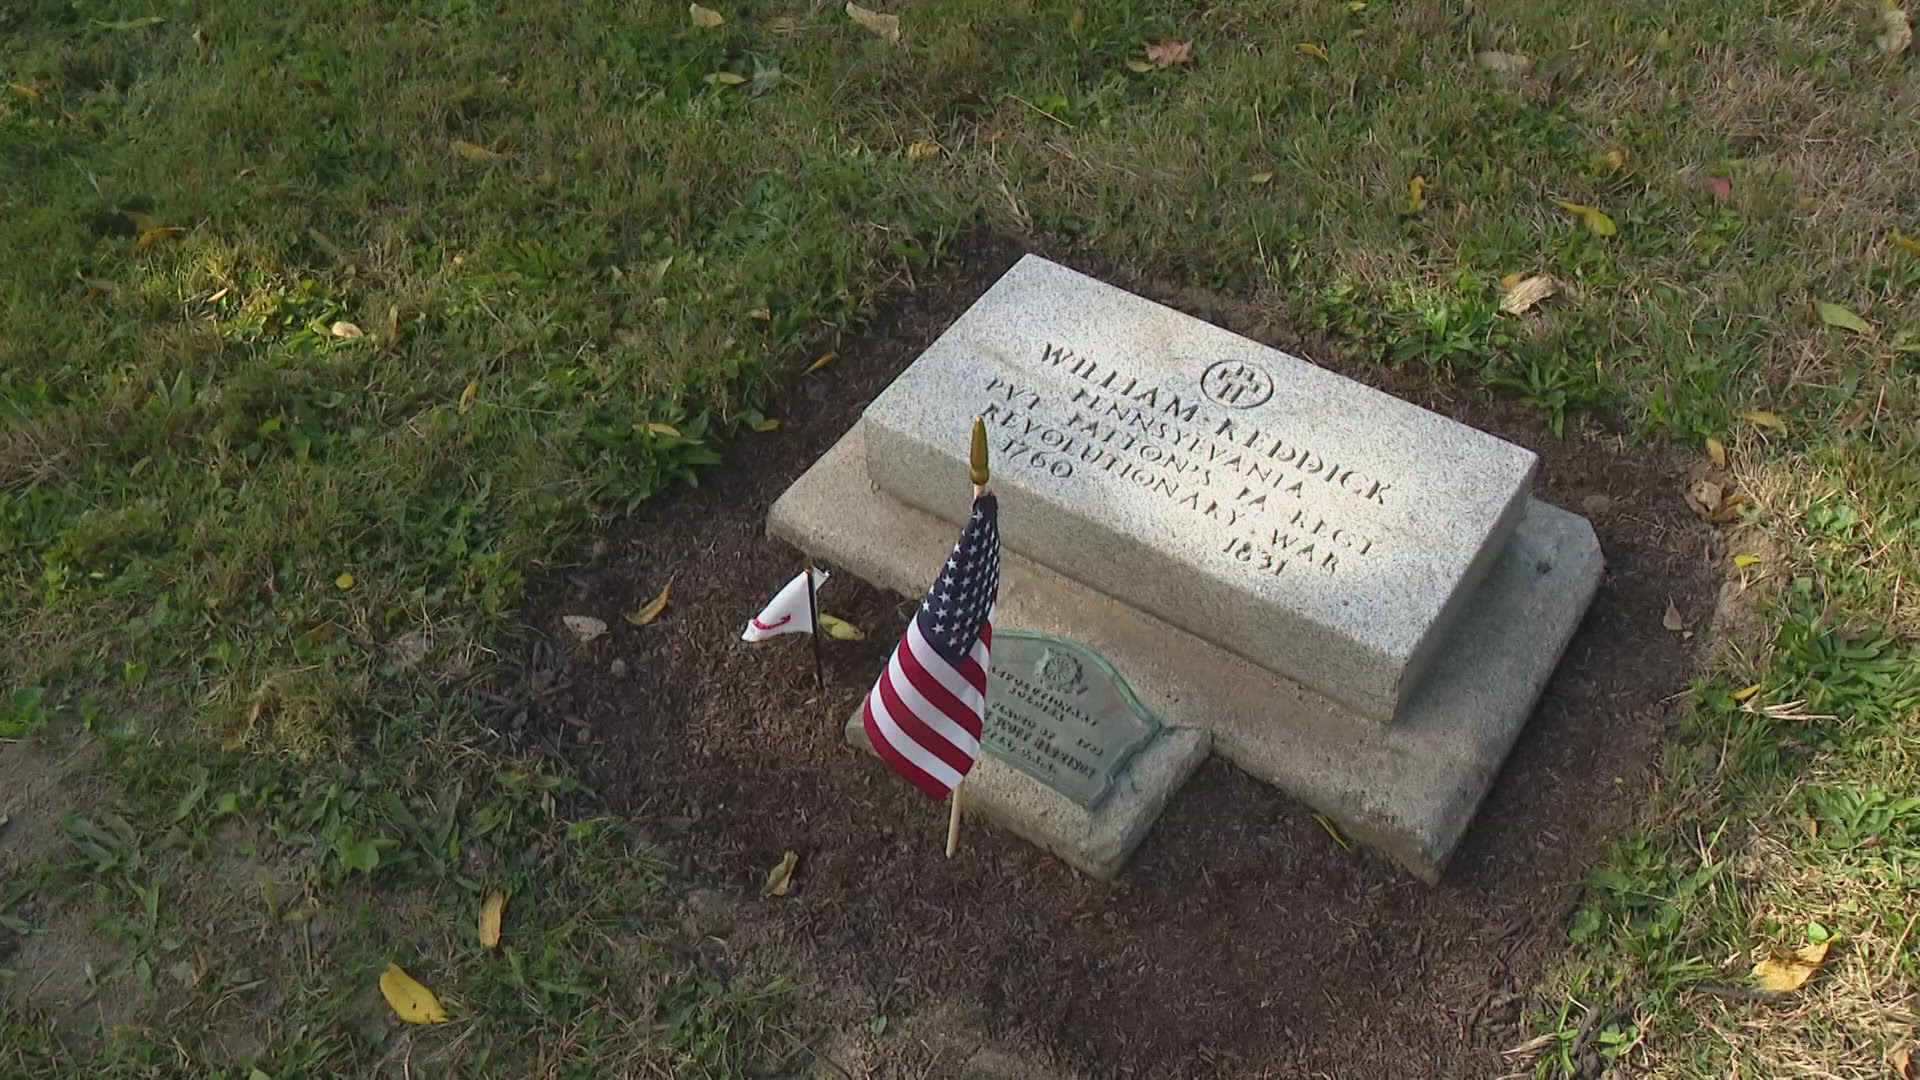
(924, 715)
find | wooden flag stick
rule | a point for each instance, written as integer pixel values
(813, 619)
(977, 472)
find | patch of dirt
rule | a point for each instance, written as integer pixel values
(1241, 941)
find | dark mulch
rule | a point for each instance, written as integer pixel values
(1241, 940)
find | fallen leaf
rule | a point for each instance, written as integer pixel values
(1524, 295)
(1327, 824)
(704, 18)
(1416, 194)
(1139, 66)
(887, 26)
(922, 149)
(25, 91)
(1835, 315)
(344, 581)
(840, 629)
(1308, 48)
(653, 608)
(1167, 53)
(726, 78)
(1901, 1059)
(1746, 692)
(410, 1001)
(769, 424)
(825, 359)
(1704, 497)
(1907, 243)
(1721, 187)
(1598, 222)
(1672, 620)
(1898, 35)
(584, 627)
(627, 335)
(473, 151)
(1616, 159)
(131, 24)
(393, 323)
(1717, 452)
(466, 397)
(150, 237)
(655, 427)
(780, 878)
(1264, 176)
(762, 314)
(782, 24)
(1765, 419)
(1504, 63)
(490, 913)
(1782, 972)
(344, 329)
(1744, 561)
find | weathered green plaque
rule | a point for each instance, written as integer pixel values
(1060, 713)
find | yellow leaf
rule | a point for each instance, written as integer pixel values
(473, 151)
(1717, 452)
(1523, 296)
(466, 397)
(825, 359)
(726, 78)
(1746, 692)
(1077, 20)
(1616, 158)
(25, 91)
(344, 329)
(704, 18)
(1356, 6)
(1139, 66)
(780, 878)
(1898, 35)
(1672, 620)
(1765, 419)
(1907, 243)
(490, 913)
(410, 1001)
(1744, 561)
(769, 424)
(655, 427)
(1416, 194)
(887, 26)
(393, 323)
(654, 607)
(1782, 972)
(1599, 223)
(1835, 315)
(1308, 48)
(1508, 281)
(1264, 176)
(150, 237)
(1327, 824)
(922, 149)
(344, 581)
(584, 627)
(840, 629)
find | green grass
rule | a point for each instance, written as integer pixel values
(191, 458)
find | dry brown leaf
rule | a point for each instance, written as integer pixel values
(1416, 194)
(1504, 63)
(1728, 511)
(825, 359)
(1765, 419)
(887, 26)
(1716, 452)
(473, 151)
(1167, 53)
(584, 627)
(490, 914)
(1898, 35)
(654, 607)
(150, 237)
(1901, 1060)
(1721, 187)
(1782, 972)
(627, 335)
(762, 314)
(780, 878)
(704, 18)
(1264, 176)
(922, 149)
(1672, 620)
(345, 329)
(409, 1000)
(1704, 497)
(466, 397)
(1523, 296)
(840, 629)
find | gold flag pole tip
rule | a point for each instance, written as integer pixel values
(977, 460)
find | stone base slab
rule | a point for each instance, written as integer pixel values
(1409, 788)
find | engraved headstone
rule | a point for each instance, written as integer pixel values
(1058, 712)
(1317, 527)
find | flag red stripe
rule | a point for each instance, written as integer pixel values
(877, 738)
(938, 696)
(915, 727)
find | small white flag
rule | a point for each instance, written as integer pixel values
(787, 613)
